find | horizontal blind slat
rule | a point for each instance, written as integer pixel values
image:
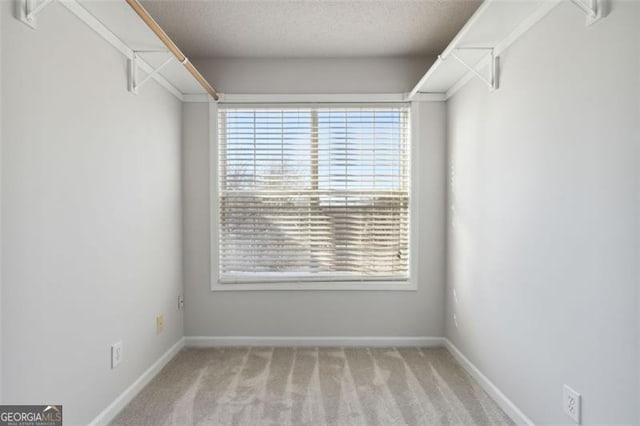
(309, 191)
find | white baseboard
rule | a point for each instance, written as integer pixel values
(500, 398)
(221, 341)
(109, 413)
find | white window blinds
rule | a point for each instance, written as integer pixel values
(313, 193)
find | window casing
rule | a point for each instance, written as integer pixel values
(315, 194)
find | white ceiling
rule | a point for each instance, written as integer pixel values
(311, 28)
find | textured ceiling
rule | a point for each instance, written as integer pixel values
(311, 28)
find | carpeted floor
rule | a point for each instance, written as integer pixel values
(312, 386)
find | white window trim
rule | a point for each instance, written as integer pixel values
(408, 284)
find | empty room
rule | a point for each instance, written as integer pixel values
(319, 212)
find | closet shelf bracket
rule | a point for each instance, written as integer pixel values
(594, 9)
(492, 80)
(134, 84)
(29, 9)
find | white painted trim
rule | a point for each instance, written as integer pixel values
(496, 394)
(316, 286)
(233, 98)
(239, 98)
(109, 413)
(226, 341)
(214, 220)
(85, 16)
(198, 98)
(428, 97)
(410, 284)
(300, 98)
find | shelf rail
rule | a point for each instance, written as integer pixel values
(181, 57)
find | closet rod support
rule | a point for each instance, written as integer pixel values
(492, 81)
(594, 9)
(29, 9)
(33, 11)
(134, 84)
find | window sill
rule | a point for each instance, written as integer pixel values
(318, 286)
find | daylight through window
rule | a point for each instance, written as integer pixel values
(313, 193)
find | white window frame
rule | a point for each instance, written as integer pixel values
(408, 284)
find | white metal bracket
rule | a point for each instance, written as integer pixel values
(492, 81)
(134, 84)
(594, 9)
(27, 10)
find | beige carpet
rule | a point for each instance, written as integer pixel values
(312, 386)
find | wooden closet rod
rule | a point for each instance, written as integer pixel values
(153, 25)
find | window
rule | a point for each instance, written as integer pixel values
(313, 194)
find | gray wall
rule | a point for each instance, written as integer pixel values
(358, 75)
(543, 215)
(91, 203)
(315, 313)
(1, 339)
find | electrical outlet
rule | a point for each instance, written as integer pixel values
(571, 403)
(159, 324)
(180, 302)
(116, 354)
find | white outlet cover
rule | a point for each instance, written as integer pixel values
(116, 354)
(571, 403)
